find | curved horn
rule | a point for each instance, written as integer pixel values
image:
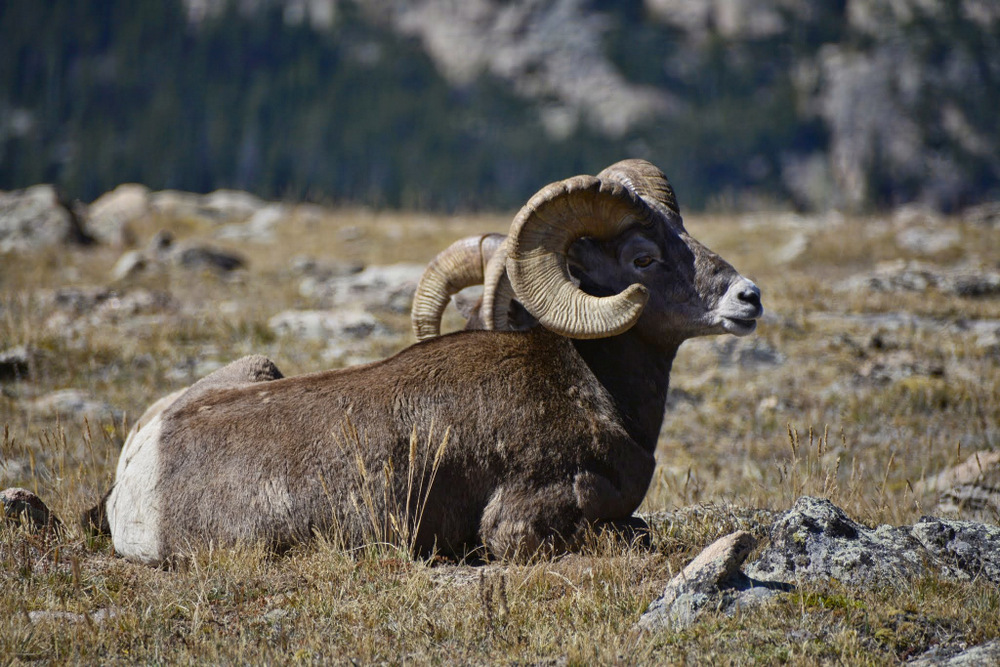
(542, 233)
(647, 181)
(498, 293)
(460, 265)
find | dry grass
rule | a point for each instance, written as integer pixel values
(803, 414)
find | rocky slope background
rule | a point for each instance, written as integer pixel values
(450, 104)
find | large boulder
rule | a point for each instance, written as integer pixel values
(34, 218)
(112, 216)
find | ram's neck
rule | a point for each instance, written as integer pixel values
(637, 375)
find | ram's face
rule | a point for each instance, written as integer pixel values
(692, 291)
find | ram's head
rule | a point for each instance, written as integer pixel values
(591, 257)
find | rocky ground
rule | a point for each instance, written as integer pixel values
(845, 456)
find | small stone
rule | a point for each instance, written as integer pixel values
(712, 580)
(20, 504)
(200, 256)
(129, 264)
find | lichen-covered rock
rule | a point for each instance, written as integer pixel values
(964, 549)
(816, 540)
(947, 656)
(23, 505)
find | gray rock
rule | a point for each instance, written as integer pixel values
(902, 276)
(376, 287)
(713, 580)
(218, 207)
(15, 363)
(73, 403)
(194, 255)
(162, 251)
(815, 540)
(326, 324)
(232, 204)
(34, 218)
(966, 549)
(323, 270)
(927, 241)
(547, 51)
(977, 501)
(259, 228)
(23, 505)
(947, 656)
(894, 365)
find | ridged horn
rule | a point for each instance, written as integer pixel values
(647, 181)
(498, 293)
(460, 265)
(539, 239)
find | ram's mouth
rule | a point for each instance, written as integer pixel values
(739, 326)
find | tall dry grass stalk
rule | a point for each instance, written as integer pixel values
(390, 520)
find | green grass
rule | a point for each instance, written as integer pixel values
(736, 437)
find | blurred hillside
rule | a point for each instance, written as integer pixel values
(458, 104)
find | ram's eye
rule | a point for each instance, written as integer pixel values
(643, 262)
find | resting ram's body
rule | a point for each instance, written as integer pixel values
(501, 469)
(551, 430)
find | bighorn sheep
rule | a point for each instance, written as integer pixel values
(551, 430)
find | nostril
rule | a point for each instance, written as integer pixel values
(750, 296)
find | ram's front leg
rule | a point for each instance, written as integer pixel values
(606, 508)
(521, 520)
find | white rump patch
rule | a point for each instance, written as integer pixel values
(134, 505)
